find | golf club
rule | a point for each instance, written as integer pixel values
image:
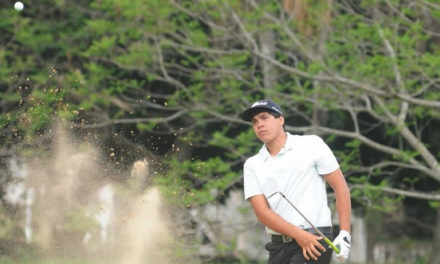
(336, 249)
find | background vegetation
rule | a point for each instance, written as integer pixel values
(167, 79)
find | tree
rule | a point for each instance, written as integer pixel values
(172, 76)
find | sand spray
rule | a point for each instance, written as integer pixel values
(78, 210)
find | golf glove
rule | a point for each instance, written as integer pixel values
(343, 242)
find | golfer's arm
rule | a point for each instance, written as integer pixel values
(270, 219)
(343, 203)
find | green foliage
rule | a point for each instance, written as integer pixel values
(239, 146)
(434, 204)
(372, 195)
(183, 70)
(348, 157)
(196, 182)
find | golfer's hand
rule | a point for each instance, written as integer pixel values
(309, 244)
(343, 242)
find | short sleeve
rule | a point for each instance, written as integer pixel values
(326, 161)
(251, 185)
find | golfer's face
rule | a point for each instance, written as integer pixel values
(266, 126)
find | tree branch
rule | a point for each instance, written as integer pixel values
(135, 120)
(412, 194)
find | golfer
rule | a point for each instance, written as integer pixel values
(298, 167)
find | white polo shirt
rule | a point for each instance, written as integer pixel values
(296, 172)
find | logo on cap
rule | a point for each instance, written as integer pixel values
(276, 109)
(263, 104)
(257, 103)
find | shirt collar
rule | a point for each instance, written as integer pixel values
(290, 142)
(287, 146)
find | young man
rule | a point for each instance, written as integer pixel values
(298, 167)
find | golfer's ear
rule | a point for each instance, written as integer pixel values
(281, 120)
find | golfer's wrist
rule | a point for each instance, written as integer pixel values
(294, 232)
(345, 229)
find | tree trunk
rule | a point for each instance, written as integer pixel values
(267, 43)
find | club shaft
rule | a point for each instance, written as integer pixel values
(310, 223)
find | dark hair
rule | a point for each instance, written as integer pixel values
(277, 115)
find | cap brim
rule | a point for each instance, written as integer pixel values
(250, 112)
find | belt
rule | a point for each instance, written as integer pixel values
(288, 239)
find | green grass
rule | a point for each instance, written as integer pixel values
(32, 260)
(70, 260)
(231, 261)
